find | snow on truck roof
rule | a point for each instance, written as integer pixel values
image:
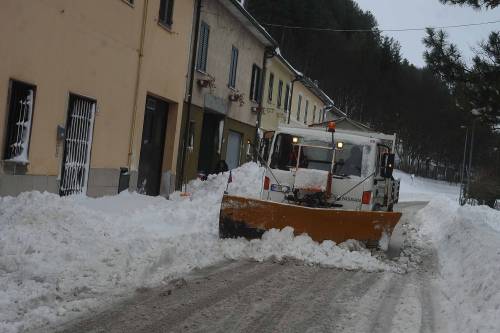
(321, 134)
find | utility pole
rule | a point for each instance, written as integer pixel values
(470, 156)
(462, 173)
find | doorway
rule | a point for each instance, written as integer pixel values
(153, 143)
(233, 150)
(211, 143)
(77, 145)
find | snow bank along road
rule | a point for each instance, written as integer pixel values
(285, 296)
(120, 264)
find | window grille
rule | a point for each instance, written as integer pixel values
(21, 105)
(201, 62)
(234, 67)
(78, 144)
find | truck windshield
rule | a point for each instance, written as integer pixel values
(316, 158)
(285, 155)
(348, 160)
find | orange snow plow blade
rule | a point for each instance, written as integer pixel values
(250, 218)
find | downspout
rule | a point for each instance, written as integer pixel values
(297, 78)
(137, 83)
(268, 54)
(190, 91)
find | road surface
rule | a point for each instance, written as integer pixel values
(283, 297)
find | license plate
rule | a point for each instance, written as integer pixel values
(280, 188)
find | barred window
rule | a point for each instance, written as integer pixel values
(21, 106)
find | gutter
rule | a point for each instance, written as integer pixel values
(190, 91)
(268, 54)
(137, 83)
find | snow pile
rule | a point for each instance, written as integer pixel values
(424, 189)
(311, 179)
(467, 240)
(61, 257)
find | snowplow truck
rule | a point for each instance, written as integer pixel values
(332, 185)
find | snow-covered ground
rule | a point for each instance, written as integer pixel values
(467, 242)
(423, 189)
(61, 257)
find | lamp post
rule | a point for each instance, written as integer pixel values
(469, 171)
(461, 199)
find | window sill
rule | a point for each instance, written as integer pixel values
(167, 27)
(16, 162)
(132, 5)
(200, 71)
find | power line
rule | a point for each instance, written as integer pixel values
(377, 30)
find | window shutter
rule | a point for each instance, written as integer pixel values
(203, 47)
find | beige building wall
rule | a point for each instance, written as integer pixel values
(225, 31)
(90, 48)
(273, 114)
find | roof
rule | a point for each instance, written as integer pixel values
(312, 86)
(236, 9)
(320, 134)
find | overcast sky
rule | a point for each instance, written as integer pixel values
(396, 14)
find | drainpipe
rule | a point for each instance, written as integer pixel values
(137, 83)
(190, 91)
(297, 78)
(268, 54)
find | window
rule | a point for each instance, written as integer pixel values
(287, 97)
(306, 112)
(192, 126)
(255, 85)
(280, 93)
(21, 105)
(201, 62)
(271, 87)
(299, 106)
(166, 12)
(314, 114)
(348, 160)
(233, 68)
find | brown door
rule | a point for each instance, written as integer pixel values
(153, 142)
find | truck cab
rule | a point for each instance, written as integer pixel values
(324, 169)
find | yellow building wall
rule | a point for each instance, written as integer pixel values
(272, 115)
(91, 48)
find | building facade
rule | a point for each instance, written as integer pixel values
(231, 48)
(91, 94)
(280, 77)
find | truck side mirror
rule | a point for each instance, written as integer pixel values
(387, 165)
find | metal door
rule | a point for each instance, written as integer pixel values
(233, 150)
(77, 145)
(153, 142)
